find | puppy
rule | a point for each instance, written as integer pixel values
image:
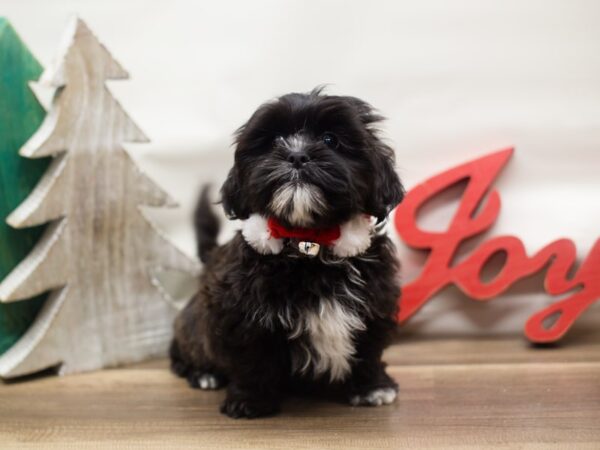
(306, 293)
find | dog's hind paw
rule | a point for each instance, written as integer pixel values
(206, 381)
(376, 397)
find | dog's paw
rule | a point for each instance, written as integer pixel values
(209, 382)
(179, 368)
(205, 381)
(249, 409)
(376, 397)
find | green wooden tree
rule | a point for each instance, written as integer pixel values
(20, 116)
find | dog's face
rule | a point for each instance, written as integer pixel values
(311, 160)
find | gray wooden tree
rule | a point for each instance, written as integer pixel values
(99, 253)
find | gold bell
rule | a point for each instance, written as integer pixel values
(309, 248)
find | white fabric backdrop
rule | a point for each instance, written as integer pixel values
(456, 80)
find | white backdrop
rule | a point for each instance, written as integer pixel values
(456, 80)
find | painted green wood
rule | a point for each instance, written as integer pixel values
(20, 115)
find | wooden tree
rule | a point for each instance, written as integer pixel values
(99, 252)
(20, 115)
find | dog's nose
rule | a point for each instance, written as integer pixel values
(298, 159)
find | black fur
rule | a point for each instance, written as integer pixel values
(237, 328)
(206, 224)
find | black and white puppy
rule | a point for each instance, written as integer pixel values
(306, 293)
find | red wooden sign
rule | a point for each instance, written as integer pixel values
(478, 210)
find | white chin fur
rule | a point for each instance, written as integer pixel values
(304, 200)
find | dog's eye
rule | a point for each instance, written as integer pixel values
(330, 140)
(278, 140)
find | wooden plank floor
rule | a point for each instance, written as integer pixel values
(454, 393)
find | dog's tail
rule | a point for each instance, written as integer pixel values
(207, 225)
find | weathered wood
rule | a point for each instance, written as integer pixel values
(99, 253)
(20, 115)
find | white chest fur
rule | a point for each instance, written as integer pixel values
(328, 344)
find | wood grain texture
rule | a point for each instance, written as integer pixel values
(517, 397)
(20, 115)
(99, 254)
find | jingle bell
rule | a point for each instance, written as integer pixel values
(309, 248)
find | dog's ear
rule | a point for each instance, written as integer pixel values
(232, 196)
(386, 189)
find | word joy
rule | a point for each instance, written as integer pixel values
(474, 216)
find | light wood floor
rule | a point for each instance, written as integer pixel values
(454, 393)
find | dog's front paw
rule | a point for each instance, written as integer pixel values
(238, 408)
(375, 397)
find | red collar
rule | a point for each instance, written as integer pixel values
(322, 236)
